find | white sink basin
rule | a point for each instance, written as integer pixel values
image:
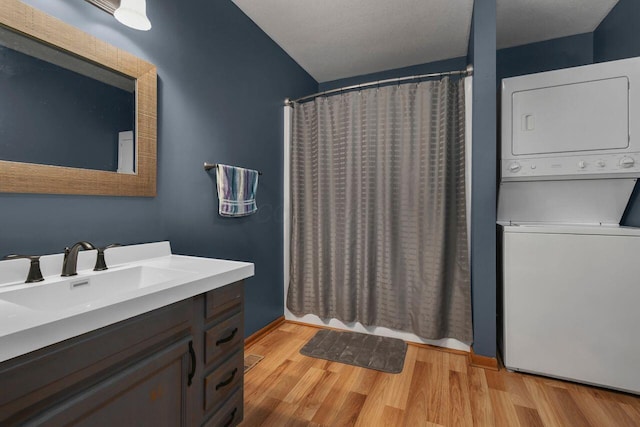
(85, 290)
(141, 278)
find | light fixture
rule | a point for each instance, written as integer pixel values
(132, 13)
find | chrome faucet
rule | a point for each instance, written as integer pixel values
(70, 263)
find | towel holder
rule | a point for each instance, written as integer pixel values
(209, 166)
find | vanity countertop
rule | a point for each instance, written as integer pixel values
(33, 316)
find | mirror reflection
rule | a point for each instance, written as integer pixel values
(58, 109)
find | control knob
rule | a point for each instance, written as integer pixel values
(601, 163)
(582, 164)
(514, 167)
(627, 162)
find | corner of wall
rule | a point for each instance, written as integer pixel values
(484, 148)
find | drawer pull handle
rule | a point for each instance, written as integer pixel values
(227, 382)
(227, 339)
(192, 353)
(233, 415)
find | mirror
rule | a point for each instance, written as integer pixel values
(85, 113)
(77, 115)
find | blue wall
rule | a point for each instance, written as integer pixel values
(617, 35)
(221, 87)
(482, 54)
(617, 38)
(78, 118)
(545, 56)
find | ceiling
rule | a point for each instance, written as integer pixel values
(333, 39)
(527, 21)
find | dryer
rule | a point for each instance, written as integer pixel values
(570, 273)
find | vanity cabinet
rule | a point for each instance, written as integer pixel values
(180, 365)
(223, 356)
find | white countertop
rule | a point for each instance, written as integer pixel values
(24, 329)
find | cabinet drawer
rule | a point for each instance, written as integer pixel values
(223, 338)
(224, 301)
(230, 414)
(219, 384)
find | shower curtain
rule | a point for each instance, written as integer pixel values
(378, 216)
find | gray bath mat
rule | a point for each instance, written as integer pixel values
(366, 351)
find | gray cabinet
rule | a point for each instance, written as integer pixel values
(147, 393)
(223, 368)
(151, 370)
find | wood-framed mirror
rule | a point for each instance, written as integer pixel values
(34, 177)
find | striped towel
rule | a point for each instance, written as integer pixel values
(236, 190)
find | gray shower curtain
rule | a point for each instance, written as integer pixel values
(378, 218)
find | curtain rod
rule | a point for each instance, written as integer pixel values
(466, 72)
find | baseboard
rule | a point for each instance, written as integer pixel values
(262, 332)
(483, 362)
(438, 348)
(311, 325)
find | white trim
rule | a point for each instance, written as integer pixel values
(286, 211)
(312, 319)
(468, 96)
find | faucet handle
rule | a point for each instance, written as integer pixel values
(35, 275)
(100, 262)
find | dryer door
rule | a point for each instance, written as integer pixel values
(570, 118)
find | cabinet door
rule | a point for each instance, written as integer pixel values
(33, 383)
(151, 392)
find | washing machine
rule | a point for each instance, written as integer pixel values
(570, 285)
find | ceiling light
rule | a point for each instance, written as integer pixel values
(133, 13)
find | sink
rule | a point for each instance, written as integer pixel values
(141, 278)
(87, 290)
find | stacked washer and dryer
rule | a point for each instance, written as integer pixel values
(571, 272)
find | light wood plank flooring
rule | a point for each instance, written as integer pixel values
(436, 388)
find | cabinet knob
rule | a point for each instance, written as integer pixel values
(627, 162)
(514, 167)
(228, 338)
(228, 380)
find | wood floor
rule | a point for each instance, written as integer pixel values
(436, 388)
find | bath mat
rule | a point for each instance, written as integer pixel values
(363, 350)
(251, 360)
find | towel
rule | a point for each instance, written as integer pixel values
(236, 190)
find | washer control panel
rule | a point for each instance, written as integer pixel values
(574, 167)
